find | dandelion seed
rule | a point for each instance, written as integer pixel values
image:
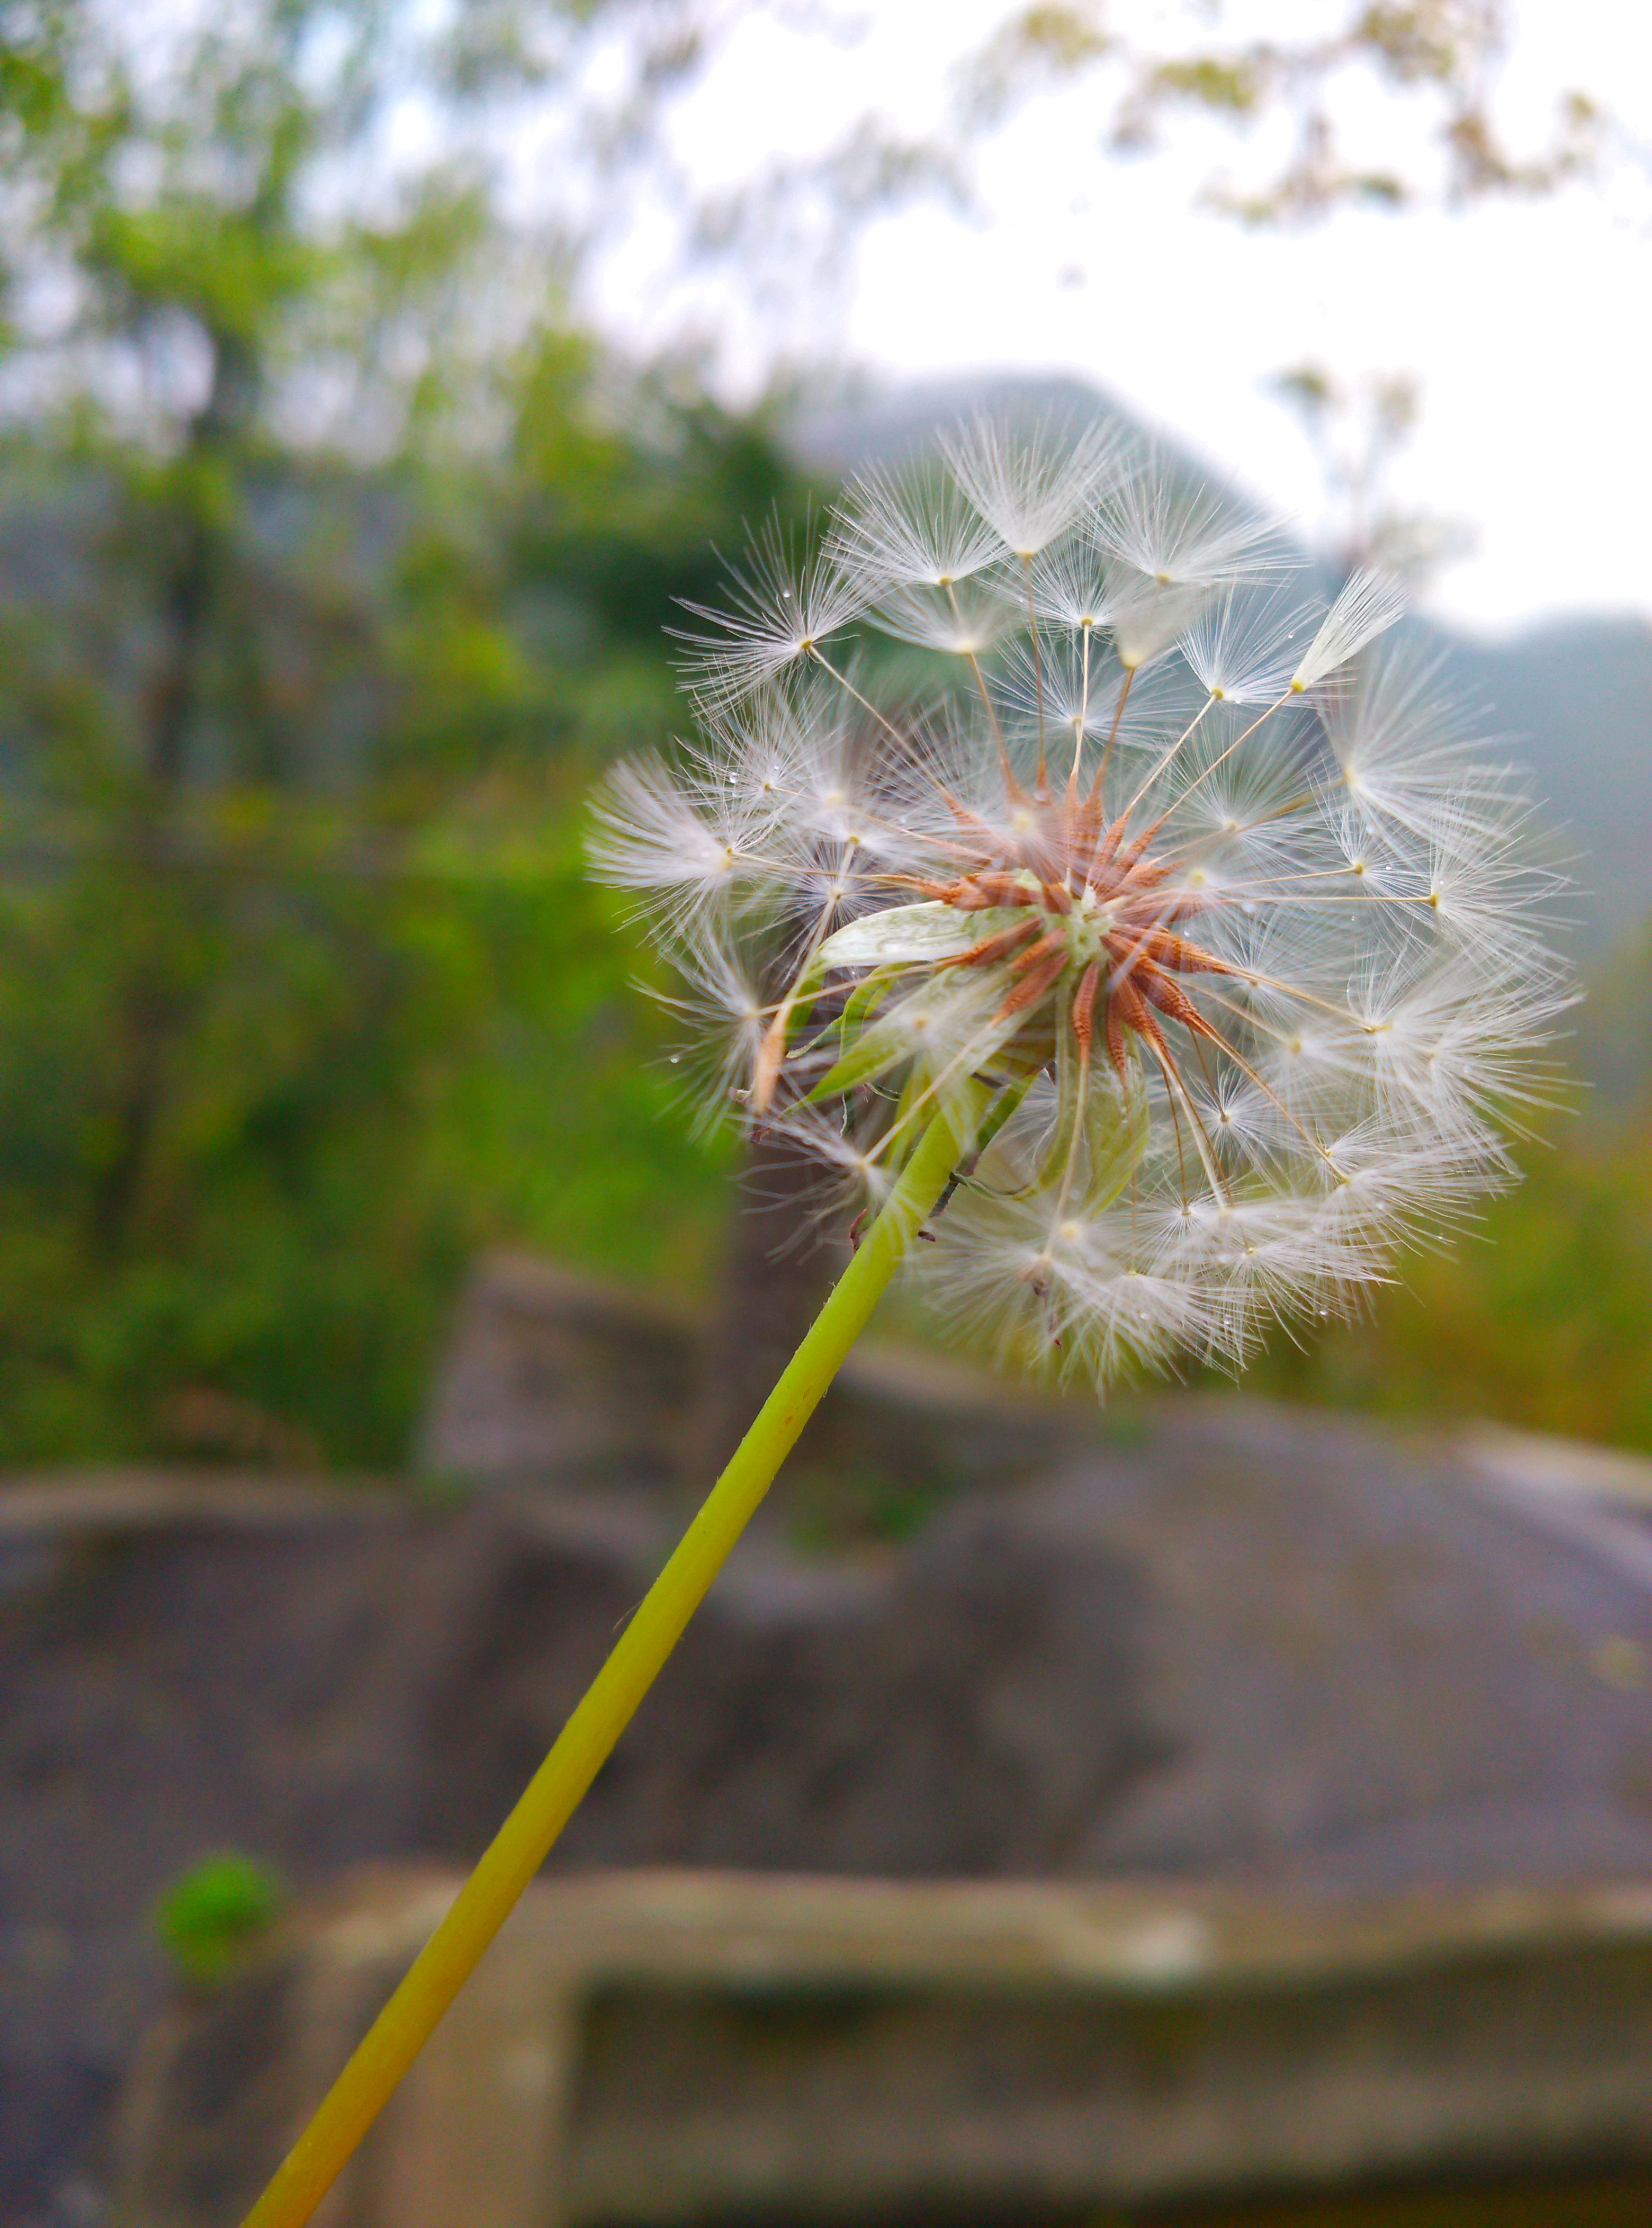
(914, 529)
(1238, 642)
(654, 836)
(1032, 486)
(1183, 534)
(1369, 603)
(963, 621)
(785, 609)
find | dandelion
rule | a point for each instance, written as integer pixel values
(1168, 1009)
(1228, 992)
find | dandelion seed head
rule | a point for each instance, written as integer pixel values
(1195, 911)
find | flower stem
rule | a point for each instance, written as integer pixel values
(520, 1847)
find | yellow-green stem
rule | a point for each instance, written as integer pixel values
(520, 1847)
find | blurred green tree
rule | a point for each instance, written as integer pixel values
(319, 609)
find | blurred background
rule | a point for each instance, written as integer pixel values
(376, 378)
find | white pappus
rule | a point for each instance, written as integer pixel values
(1229, 975)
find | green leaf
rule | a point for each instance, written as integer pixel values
(911, 934)
(1112, 1113)
(215, 1911)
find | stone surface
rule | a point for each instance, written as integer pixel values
(1208, 1640)
(653, 2049)
(550, 1376)
(546, 1370)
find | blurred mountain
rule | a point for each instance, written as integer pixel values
(1573, 701)
(1570, 700)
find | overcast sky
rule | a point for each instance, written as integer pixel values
(1529, 324)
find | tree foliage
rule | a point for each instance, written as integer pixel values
(1441, 58)
(301, 993)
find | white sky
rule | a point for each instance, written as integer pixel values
(1530, 325)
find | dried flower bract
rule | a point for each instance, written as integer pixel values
(1191, 906)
